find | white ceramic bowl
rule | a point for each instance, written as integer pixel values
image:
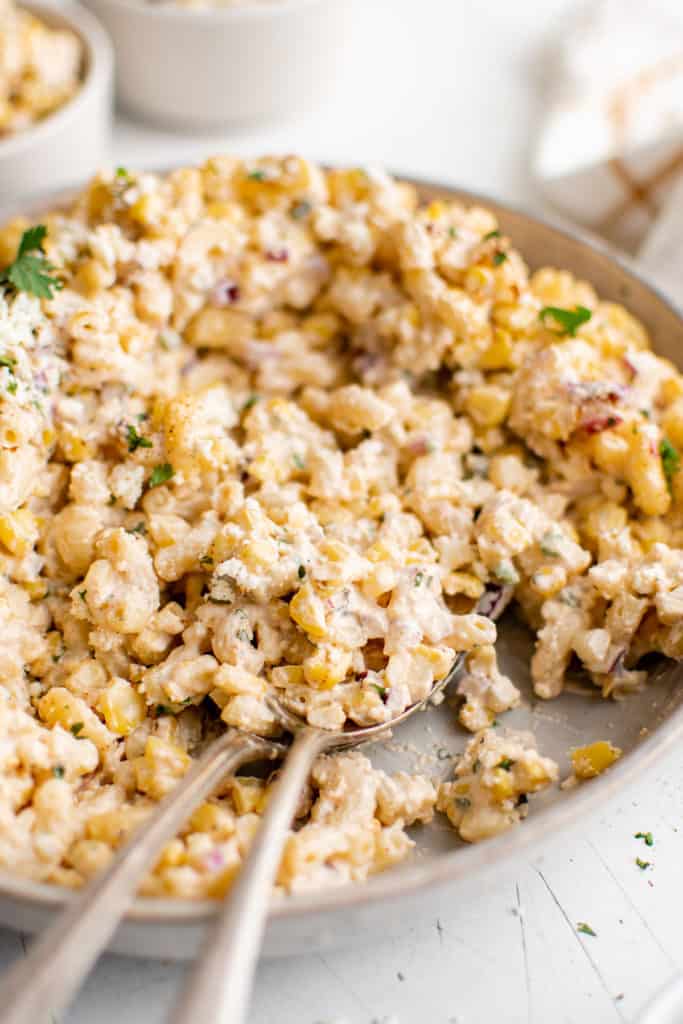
(202, 68)
(70, 144)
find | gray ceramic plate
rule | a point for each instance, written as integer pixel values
(643, 725)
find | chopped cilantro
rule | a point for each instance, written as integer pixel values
(58, 771)
(139, 528)
(8, 362)
(506, 573)
(12, 387)
(499, 257)
(163, 709)
(568, 319)
(506, 763)
(671, 460)
(301, 572)
(298, 461)
(382, 690)
(256, 175)
(585, 929)
(82, 594)
(136, 440)
(646, 837)
(642, 864)
(301, 210)
(548, 544)
(491, 234)
(76, 728)
(30, 271)
(419, 576)
(646, 413)
(250, 402)
(452, 232)
(206, 560)
(121, 172)
(161, 474)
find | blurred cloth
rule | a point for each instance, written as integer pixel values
(610, 152)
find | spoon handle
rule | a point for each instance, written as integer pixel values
(220, 983)
(44, 982)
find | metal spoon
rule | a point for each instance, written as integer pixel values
(220, 983)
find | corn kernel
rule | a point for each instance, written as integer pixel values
(123, 707)
(593, 759)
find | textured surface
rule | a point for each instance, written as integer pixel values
(512, 954)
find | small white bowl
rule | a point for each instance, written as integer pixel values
(70, 144)
(203, 68)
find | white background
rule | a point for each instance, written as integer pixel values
(453, 90)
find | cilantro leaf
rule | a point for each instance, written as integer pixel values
(161, 474)
(585, 929)
(568, 319)
(642, 864)
(646, 837)
(671, 460)
(499, 257)
(136, 440)
(30, 271)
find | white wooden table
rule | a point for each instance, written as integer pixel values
(452, 89)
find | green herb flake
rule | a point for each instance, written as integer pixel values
(256, 175)
(506, 764)
(58, 771)
(569, 320)
(419, 576)
(139, 528)
(671, 460)
(136, 440)
(298, 461)
(250, 402)
(646, 837)
(381, 690)
(490, 235)
(452, 232)
(82, 594)
(12, 387)
(646, 413)
(8, 362)
(161, 474)
(163, 709)
(121, 172)
(76, 728)
(499, 258)
(301, 210)
(301, 572)
(642, 864)
(30, 271)
(548, 544)
(506, 573)
(586, 929)
(206, 560)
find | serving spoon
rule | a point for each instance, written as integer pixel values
(218, 992)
